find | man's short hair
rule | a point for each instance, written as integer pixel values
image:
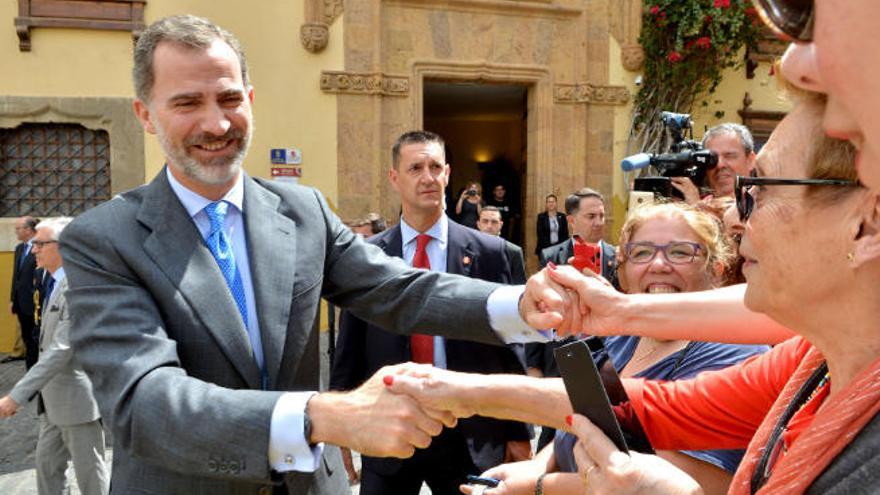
(55, 225)
(573, 201)
(31, 222)
(188, 31)
(413, 137)
(490, 208)
(741, 131)
(377, 223)
(550, 196)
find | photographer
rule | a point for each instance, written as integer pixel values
(470, 202)
(735, 148)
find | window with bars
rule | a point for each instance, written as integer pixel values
(53, 169)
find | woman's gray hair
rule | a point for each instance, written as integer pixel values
(185, 30)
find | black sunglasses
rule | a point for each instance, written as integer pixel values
(792, 20)
(745, 202)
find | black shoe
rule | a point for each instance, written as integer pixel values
(9, 359)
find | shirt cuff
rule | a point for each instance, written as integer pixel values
(503, 308)
(289, 450)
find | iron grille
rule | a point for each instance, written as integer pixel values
(53, 169)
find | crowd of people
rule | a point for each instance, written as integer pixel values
(181, 314)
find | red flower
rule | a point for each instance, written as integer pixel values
(708, 19)
(722, 4)
(703, 43)
(674, 57)
(751, 12)
(655, 9)
(689, 44)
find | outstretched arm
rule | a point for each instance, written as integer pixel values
(717, 315)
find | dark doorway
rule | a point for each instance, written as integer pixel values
(484, 126)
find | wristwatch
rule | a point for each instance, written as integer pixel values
(307, 423)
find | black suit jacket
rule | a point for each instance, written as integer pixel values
(544, 230)
(23, 283)
(363, 348)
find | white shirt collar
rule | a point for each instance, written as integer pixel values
(438, 231)
(194, 202)
(59, 275)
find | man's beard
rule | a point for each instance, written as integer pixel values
(214, 172)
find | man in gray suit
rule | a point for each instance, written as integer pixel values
(70, 424)
(197, 295)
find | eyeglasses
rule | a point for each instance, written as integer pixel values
(792, 20)
(677, 253)
(41, 244)
(745, 200)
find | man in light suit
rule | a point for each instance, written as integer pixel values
(25, 277)
(70, 424)
(419, 174)
(196, 299)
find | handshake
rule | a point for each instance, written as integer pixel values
(401, 407)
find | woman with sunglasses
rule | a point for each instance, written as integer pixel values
(806, 409)
(664, 248)
(834, 51)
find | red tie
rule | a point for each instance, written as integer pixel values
(422, 345)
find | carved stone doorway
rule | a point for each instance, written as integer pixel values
(485, 128)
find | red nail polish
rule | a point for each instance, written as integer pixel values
(551, 265)
(569, 420)
(388, 380)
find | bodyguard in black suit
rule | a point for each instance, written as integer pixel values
(544, 227)
(25, 279)
(476, 444)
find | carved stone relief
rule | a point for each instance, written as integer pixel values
(590, 93)
(314, 36)
(364, 83)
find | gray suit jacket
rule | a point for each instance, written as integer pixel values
(159, 332)
(66, 390)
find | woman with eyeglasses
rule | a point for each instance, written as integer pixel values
(664, 248)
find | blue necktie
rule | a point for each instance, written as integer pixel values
(220, 246)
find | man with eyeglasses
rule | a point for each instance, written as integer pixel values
(25, 277)
(70, 423)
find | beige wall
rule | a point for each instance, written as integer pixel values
(290, 109)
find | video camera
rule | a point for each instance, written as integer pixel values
(687, 158)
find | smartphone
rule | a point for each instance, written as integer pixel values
(586, 387)
(477, 480)
(586, 255)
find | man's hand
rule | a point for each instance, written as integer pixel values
(8, 407)
(687, 188)
(546, 304)
(348, 462)
(437, 389)
(374, 421)
(606, 470)
(600, 308)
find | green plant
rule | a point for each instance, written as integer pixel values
(687, 44)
